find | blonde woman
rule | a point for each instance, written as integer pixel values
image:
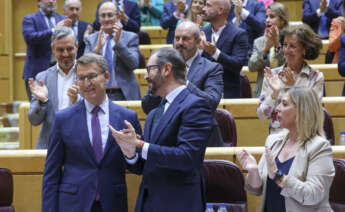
(296, 171)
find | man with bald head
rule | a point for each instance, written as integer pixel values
(226, 44)
(121, 50)
(81, 29)
(204, 77)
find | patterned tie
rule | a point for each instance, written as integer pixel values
(109, 57)
(96, 134)
(157, 116)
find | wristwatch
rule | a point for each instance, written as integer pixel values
(278, 178)
(139, 148)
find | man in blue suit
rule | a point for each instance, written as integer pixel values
(318, 14)
(249, 15)
(37, 29)
(226, 44)
(85, 168)
(129, 15)
(205, 78)
(174, 10)
(171, 155)
(81, 29)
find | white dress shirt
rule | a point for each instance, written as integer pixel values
(214, 38)
(64, 82)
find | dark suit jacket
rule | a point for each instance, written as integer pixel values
(233, 44)
(131, 10)
(310, 17)
(341, 59)
(172, 174)
(255, 22)
(169, 21)
(37, 36)
(82, 27)
(74, 187)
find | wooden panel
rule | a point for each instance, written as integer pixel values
(251, 132)
(5, 67)
(19, 85)
(5, 90)
(295, 8)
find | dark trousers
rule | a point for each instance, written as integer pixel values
(96, 206)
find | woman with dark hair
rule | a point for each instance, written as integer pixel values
(336, 30)
(295, 172)
(266, 51)
(299, 43)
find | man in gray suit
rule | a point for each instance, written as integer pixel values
(204, 78)
(121, 50)
(55, 88)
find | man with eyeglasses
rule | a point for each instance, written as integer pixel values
(54, 88)
(85, 168)
(121, 50)
(171, 154)
(37, 30)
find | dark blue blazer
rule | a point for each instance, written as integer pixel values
(341, 59)
(131, 10)
(37, 36)
(172, 174)
(255, 22)
(233, 44)
(169, 21)
(310, 17)
(71, 172)
(82, 27)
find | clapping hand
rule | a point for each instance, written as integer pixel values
(123, 15)
(323, 5)
(238, 8)
(272, 37)
(247, 161)
(207, 46)
(88, 31)
(72, 92)
(287, 76)
(100, 41)
(39, 91)
(126, 139)
(271, 164)
(67, 22)
(117, 28)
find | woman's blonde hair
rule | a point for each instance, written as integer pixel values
(281, 11)
(309, 113)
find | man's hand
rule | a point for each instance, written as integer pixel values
(39, 91)
(180, 8)
(72, 92)
(88, 31)
(323, 5)
(67, 22)
(117, 28)
(207, 46)
(126, 139)
(238, 8)
(123, 15)
(100, 41)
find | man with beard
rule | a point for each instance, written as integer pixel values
(226, 44)
(37, 30)
(171, 154)
(204, 78)
(54, 88)
(121, 50)
(81, 29)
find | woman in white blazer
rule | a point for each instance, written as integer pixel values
(296, 171)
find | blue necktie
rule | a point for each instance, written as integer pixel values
(109, 57)
(157, 116)
(50, 23)
(96, 139)
(324, 31)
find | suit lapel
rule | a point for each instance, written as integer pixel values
(52, 86)
(223, 36)
(194, 68)
(41, 21)
(168, 115)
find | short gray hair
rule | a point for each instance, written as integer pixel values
(67, 1)
(61, 32)
(93, 58)
(170, 55)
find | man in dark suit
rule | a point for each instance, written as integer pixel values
(37, 29)
(129, 15)
(249, 15)
(205, 78)
(85, 168)
(174, 10)
(318, 14)
(171, 155)
(54, 88)
(81, 29)
(226, 44)
(121, 50)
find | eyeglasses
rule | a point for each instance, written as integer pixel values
(90, 77)
(149, 68)
(109, 15)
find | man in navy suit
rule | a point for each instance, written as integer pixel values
(37, 29)
(226, 44)
(174, 10)
(205, 78)
(171, 155)
(129, 15)
(85, 168)
(81, 29)
(318, 14)
(249, 15)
